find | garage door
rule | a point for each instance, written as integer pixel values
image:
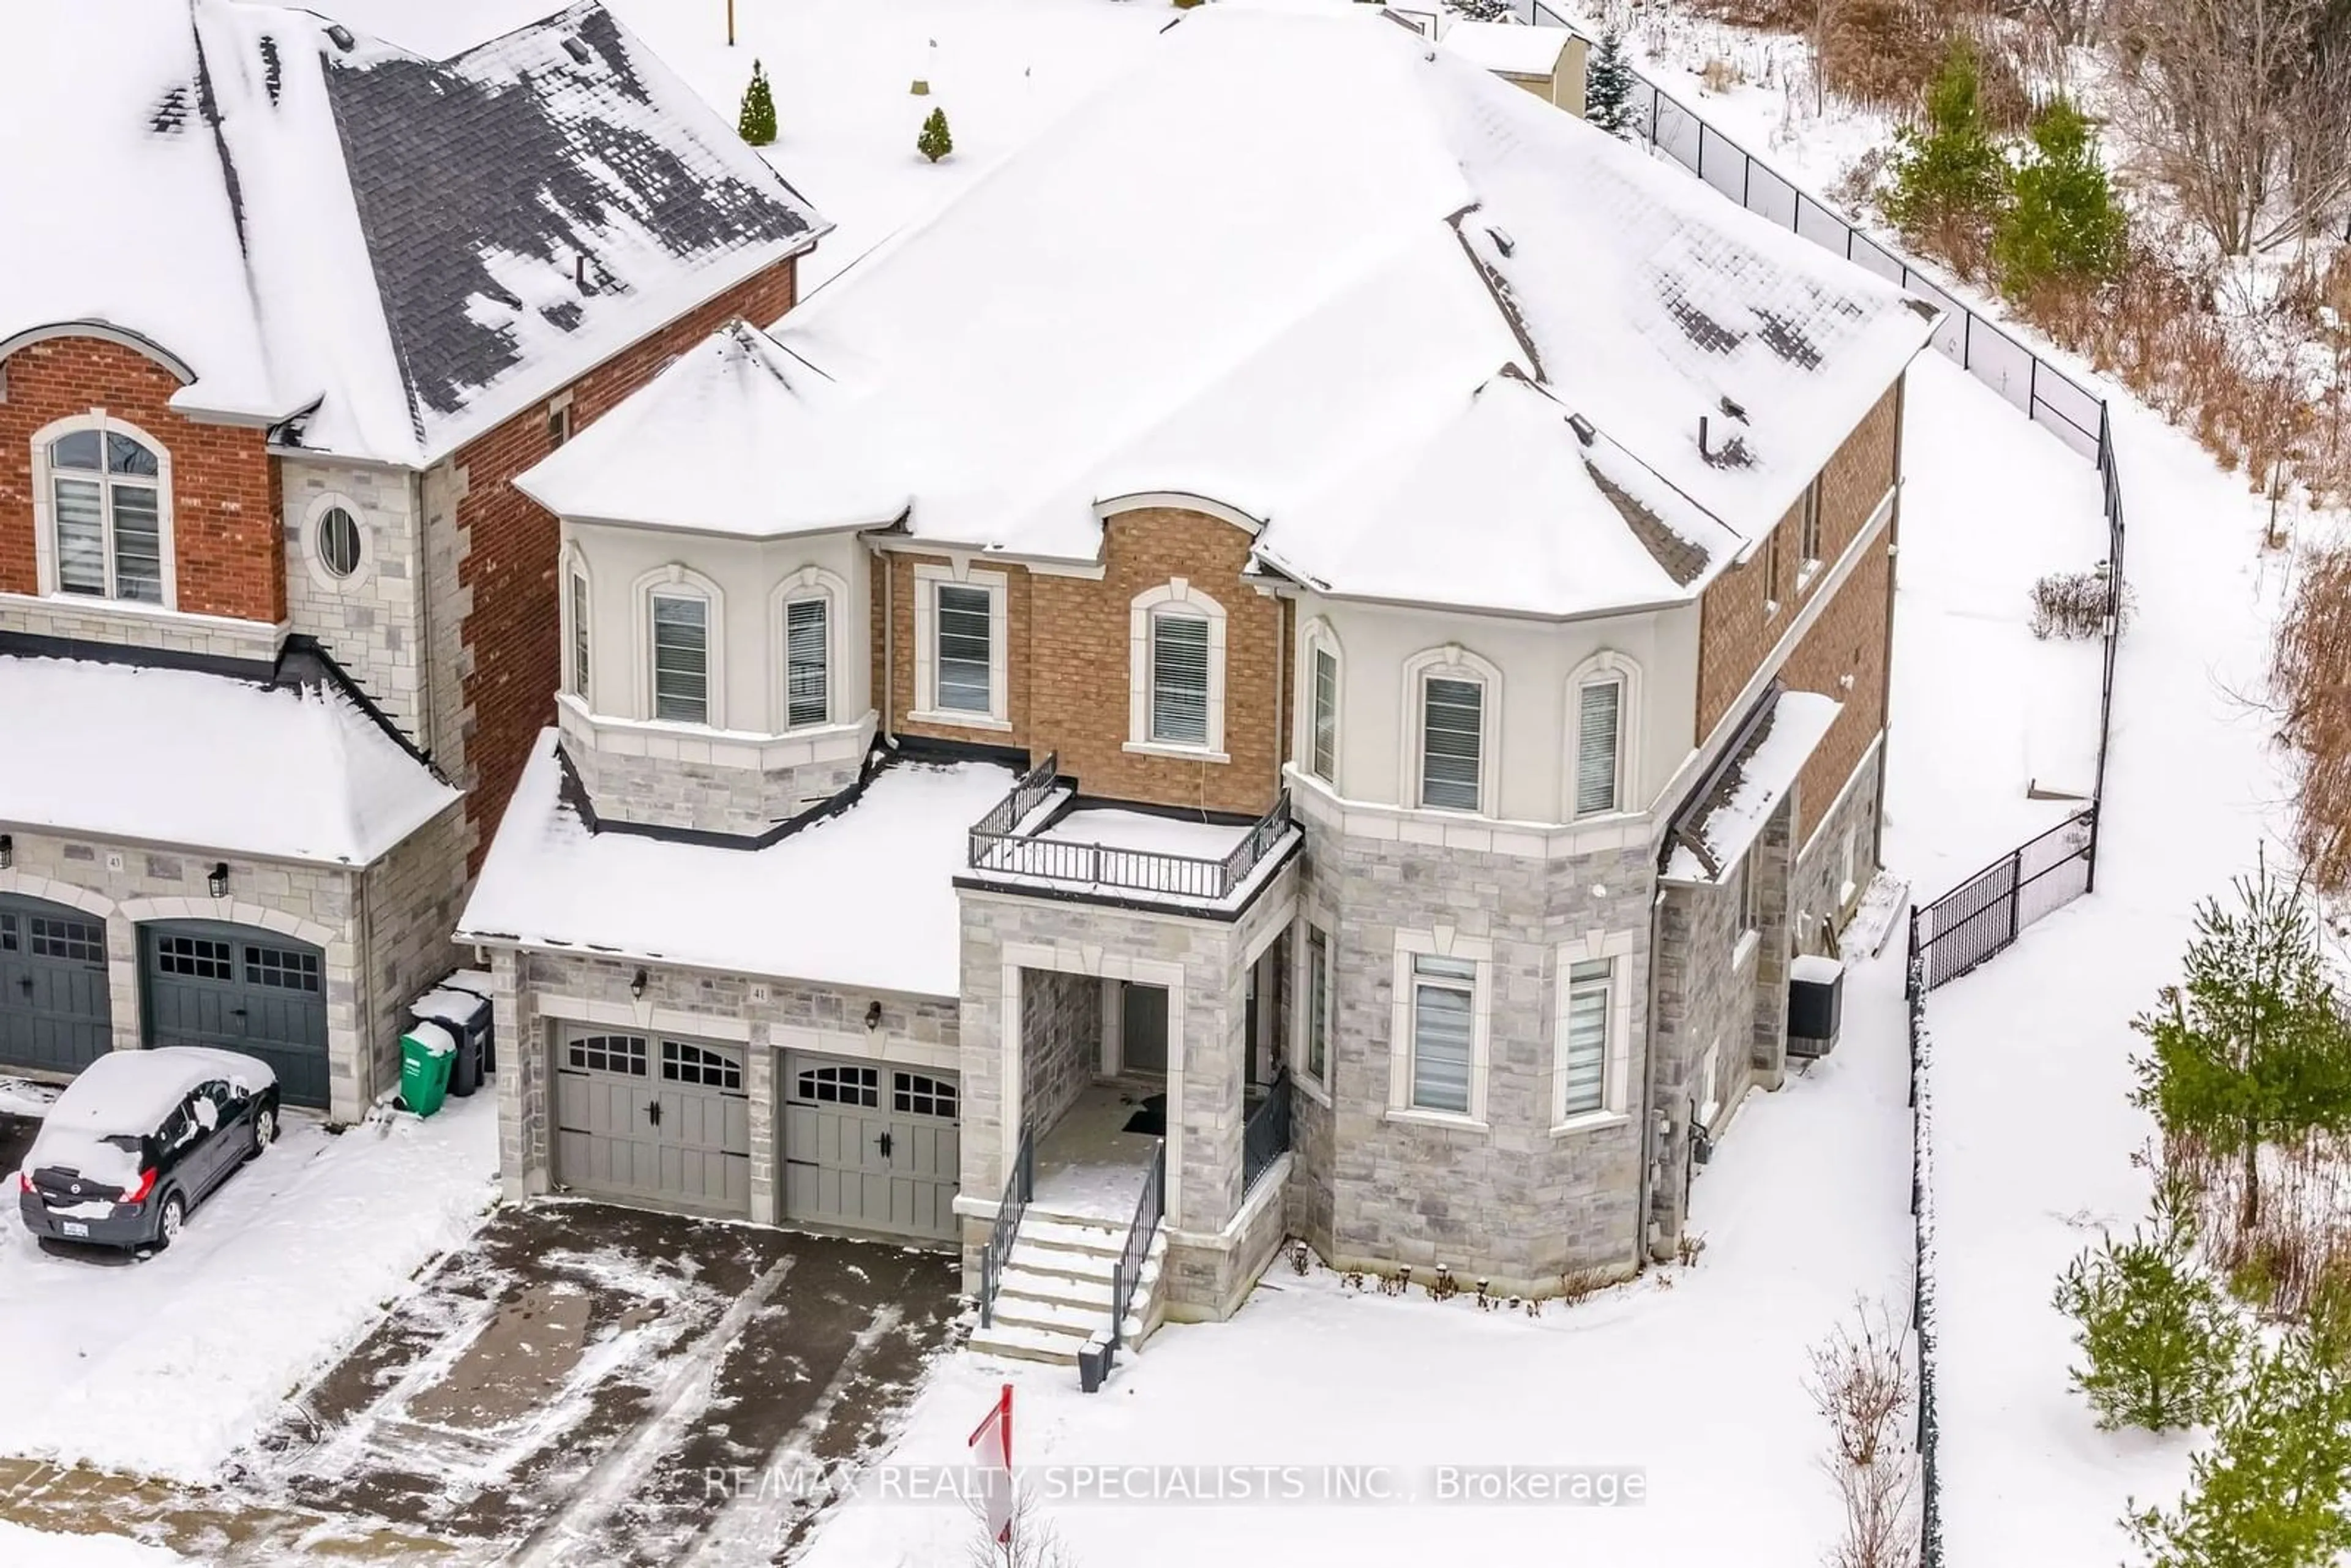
(868, 1147)
(652, 1120)
(55, 1016)
(241, 988)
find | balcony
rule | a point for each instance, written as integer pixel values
(1043, 836)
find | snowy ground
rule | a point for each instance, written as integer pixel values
(33, 1549)
(164, 1367)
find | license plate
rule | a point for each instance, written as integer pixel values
(74, 1227)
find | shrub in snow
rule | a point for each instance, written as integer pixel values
(1609, 87)
(935, 142)
(1029, 1540)
(2250, 1047)
(1950, 178)
(1860, 1383)
(2158, 1339)
(2071, 603)
(2063, 226)
(1482, 10)
(757, 120)
(2274, 1488)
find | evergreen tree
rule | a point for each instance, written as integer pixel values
(935, 142)
(2274, 1488)
(1948, 175)
(2063, 224)
(2249, 1049)
(1608, 87)
(2159, 1338)
(758, 122)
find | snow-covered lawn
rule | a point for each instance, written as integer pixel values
(164, 1367)
(34, 1549)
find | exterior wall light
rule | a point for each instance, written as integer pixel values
(637, 987)
(872, 1015)
(217, 883)
(7, 850)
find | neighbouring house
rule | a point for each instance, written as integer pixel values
(283, 311)
(1299, 671)
(1547, 62)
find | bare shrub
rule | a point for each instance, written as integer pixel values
(2311, 682)
(1031, 1541)
(1860, 1384)
(1721, 75)
(2069, 604)
(1579, 1284)
(2299, 1249)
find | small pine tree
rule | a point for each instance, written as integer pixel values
(935, 142)
(2064, 226)
(1609, 87)
(2250, 1047)
(2159, 1339)
(757, 120)
(2274, 1488)
(1950, 178)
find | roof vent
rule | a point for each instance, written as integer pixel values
(1734, 410)
(579, 270)
(342, 38)
(1502, 240)
(577, 50)
(1582, 428)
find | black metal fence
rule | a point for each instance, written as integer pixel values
(1923, 1322)
(1265, 1136)
(1978, 918)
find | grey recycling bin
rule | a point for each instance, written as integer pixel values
(466, 1017)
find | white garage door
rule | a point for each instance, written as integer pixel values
(870, 1146)
(650, 1120)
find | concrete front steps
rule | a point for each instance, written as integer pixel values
(1055, 1292)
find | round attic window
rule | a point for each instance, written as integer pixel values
(338, 541)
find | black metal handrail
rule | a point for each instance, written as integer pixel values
(998, 848)
(1127, 1272)
(1026, 794)
(1018, 1189)
(1265, 1136)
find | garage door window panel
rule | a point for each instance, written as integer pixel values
(622, 1053)
(281, 970)
(919, 1095)
(684, 1063)
(80, 941)
(859, 1086)
(197, 957)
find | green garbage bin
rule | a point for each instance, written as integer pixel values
(426, 1051)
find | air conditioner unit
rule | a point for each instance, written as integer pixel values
(1815, 1004)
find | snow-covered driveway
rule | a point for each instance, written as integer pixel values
(164, 1367)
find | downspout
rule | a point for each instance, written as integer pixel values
(1885, 666)
(1650, 1153)
(363, 1071)
(428, 735)
(888, 704)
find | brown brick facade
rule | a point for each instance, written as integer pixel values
(1068, 644)
(513, 662)
(227, 549)
(1849, 639)
(1737, 627)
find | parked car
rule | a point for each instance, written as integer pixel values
(141, 1138)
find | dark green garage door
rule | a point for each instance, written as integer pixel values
(54, 1012)
(240, 988)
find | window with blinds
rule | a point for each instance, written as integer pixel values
(1325, 761)
(1812, 526)
(579, 685)
(1318, 1004)
(109, 519)
(1598, 724)
(1179, 679)
(965, 625)
(681, 658)
(807, 698)
(1587, 1063)
(1444, 1003)
(1452, 715)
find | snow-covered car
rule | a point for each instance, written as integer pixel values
(141, 1138)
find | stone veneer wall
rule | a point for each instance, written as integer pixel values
(1061, 1041)
(1821, 866)
(695, 781)
(414, 897)
(762, 1016)
(1511, 1200)
(371, 620)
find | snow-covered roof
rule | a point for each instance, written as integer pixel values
(127, 1094)
(1512, 47)
(864, 898)
(1757, 777)
(410, 250)
(208, 761)
(1307, 307)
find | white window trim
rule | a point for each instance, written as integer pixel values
(44, 522)
(1318, 636)
(1176, 596)
(1708, 1069)
(1444, 942)
(809, 582)
(579, 684)
(677, 580)
(1301, 1015)
(1808, 522)
(314, 560)
(1608, 664)
(1455, 663)
(928, 576)
(1615, 949)
(1742, 891)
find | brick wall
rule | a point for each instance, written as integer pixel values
(224, 527)
(507, 557)
(1736, 628)
(1849, 639)
(1070, 653)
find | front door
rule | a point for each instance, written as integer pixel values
(239, 988)
(54, 1013)
(650, 1120)
(1143, 1030)
(871, 1147)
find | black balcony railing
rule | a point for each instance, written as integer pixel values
(1265, 1136)
(1000, 849)
(1019, 1187)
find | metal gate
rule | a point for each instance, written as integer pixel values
(652, 1119)
(54, 1012)
(870, 1146)
(239, 988)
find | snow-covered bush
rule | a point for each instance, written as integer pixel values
(2070, 604)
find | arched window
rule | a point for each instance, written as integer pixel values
(808, 633)
(106, 487)
(1176, 666)
(1603, 715)
(680, 659)
(1319, 669)
(1453, 719)
(579, 614)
